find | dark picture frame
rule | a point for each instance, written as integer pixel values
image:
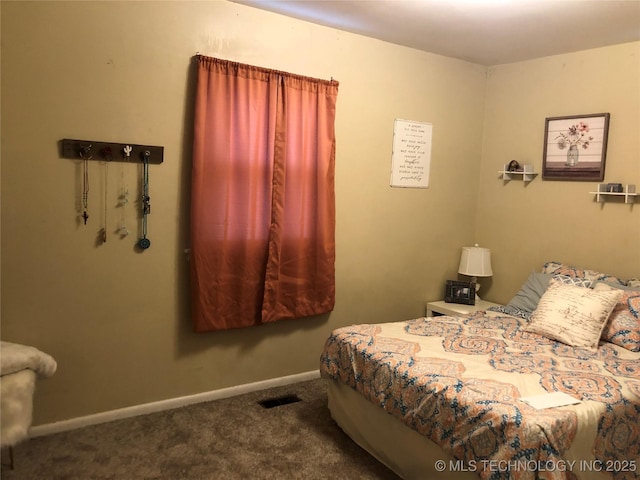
(460, 292)
(575, 147)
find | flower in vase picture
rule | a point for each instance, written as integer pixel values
(575, 147)
(574, 137)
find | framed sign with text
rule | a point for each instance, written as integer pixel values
(411, 154)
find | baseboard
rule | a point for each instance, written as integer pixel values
(152, 407)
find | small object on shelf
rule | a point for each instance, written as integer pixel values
(607, 191)
(514, 166)
(524, 172)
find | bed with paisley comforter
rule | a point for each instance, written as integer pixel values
(445, 397)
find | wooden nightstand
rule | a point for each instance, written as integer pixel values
(443, 308)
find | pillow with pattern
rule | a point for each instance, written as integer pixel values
(526, 300)
(577, 272)
(573, 315)
(623, 326)
(634, 282)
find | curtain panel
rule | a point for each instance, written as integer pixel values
(263, 201)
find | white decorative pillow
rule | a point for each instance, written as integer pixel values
(573, 315)
(526, 300)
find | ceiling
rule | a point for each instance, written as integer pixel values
(486, 32)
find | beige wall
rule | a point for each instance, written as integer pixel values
(558, 220)
(116, 320)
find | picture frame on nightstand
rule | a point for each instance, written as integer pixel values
(457, 291)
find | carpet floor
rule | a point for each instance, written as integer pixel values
(232, 438)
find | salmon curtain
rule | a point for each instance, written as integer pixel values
(263, 202)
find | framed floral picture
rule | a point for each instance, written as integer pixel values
(575, 147)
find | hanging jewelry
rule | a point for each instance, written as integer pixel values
(85, 154)
(124, 195)
(106, 153)
(144, 242)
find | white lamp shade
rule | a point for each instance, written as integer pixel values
(475, 262)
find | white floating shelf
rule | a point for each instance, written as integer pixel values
(526, 174)
(602, 193)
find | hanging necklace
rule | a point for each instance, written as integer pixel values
(85, 154)
(144, 242)
(124, 194)
(106, 153)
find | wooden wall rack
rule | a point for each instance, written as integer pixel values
(109, 151)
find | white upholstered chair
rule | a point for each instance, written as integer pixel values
(20, 366)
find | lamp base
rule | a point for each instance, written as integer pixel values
(475, 280)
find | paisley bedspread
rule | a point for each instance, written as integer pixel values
(458, 381)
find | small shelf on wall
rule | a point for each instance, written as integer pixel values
(526, 174)
(605, 192)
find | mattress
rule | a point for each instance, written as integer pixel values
(460, 383)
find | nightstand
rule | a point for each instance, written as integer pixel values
(453, 309)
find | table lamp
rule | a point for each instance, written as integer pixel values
(475, 262)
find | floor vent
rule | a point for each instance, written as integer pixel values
(278, 401)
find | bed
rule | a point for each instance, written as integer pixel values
(454, 397)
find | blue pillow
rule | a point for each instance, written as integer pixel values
(529, 295)
(527, 299)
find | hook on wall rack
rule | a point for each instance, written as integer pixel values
(109, 151)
